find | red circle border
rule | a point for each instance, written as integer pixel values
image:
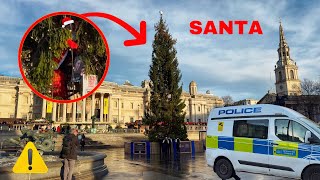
(79, 16)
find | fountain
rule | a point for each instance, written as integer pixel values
(43, 141)
(90, 165)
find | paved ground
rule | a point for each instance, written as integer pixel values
(140, 168)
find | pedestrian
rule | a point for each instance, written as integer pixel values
(169, 145)
(177, 149)
(165, 146)
(178, 145)
(58, 129)
(82, 142)
(68, 129)
(68, 153)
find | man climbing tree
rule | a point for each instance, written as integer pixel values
(165, 116)
(59, 50)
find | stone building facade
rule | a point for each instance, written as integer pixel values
(246, 102)
(111, 104)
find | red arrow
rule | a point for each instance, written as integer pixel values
(141, 38)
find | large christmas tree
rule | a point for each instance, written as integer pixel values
(165, 116)
(47, 43)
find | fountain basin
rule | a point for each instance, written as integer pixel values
(90, 165)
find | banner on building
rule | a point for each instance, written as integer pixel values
(79, 107)
(89, 82)
(78, 69)
(49, 106)
(105, 105)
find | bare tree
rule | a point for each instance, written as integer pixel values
(310, 87)
(228, 101)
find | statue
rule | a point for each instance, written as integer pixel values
(43, 141)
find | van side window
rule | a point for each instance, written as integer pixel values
(288, 130)
(251, 128)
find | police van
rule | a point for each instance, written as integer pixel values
(265, 139)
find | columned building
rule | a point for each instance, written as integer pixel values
(111, 104)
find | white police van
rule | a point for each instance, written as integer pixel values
(265, 139)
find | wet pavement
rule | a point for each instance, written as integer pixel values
(123, 166)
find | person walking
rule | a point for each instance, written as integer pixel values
(82, 142)
(68, 153)
(165, 147)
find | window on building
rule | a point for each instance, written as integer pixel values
(288, 130)
(131, 105)
(122, 105)
(24, 116)
(115, 119)
(199, 108)
(115, 104)
(131, 119)
(122, 119)
(199, 120)
(280, 76)
(291, 74)
(251, 128)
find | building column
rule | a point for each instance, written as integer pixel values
(44, 108)
(202, 111)
(74, 111)
(101, 107)
(54, 111)
(17, 103)
(195, 113)
(109, 110)
(119, 110)
(64, 113)
(31, 102)
(59, 110)
(83, 113)
(93, 104)
(190, 110)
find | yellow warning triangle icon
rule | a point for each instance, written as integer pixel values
(30, 161)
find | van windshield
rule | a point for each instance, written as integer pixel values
(312, 124)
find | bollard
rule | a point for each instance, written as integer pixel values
(193, 149)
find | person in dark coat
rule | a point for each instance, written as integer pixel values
(165, 147)
(68, 153)
(82, 142)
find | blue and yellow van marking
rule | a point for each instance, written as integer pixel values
(261, 146)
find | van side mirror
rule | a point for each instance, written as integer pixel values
(307, 137)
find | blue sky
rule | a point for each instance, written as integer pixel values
(238, 65)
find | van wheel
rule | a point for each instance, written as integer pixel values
(311, 173)
(224, 169)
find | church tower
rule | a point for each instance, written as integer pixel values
(193, 88)
(286, 70)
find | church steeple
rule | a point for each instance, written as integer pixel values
(283, 50)
(282, 42)
(286, 70)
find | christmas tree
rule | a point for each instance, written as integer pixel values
(165, 116)
(47, 43)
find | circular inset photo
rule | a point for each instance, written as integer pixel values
(64, 57)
